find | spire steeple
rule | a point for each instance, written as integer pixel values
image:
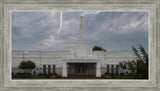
(81, 19)
(80, 49)
(81, 38)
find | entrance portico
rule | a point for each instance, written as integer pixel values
(81, 68)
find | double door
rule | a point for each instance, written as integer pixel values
(82, 69)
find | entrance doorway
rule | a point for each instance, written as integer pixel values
(81, 69)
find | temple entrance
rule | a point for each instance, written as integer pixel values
(81, 69)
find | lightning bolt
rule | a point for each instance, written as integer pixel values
(61, 22)
(83, 14)
(61, 18)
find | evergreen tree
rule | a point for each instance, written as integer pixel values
(98, 48)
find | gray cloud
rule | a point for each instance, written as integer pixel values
(116, 31)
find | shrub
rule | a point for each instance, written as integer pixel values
(103, 75)
(28, 74)
(44, 73)
(34, 72)
(121, 73)
(130, 74)
(55, 74)
(20, 74)
(106, 73)
(126, 73)
(47, 76)
(58, 76)
(40, 74)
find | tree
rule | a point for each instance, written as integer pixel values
(142, 62)
(129, 65)
(123, 66)
(132, 66)
(27, 66)
(98, 48)
(138, 67)
(144, 54)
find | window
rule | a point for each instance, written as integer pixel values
(112, 69)
(49, 69)
(44, 69)
(54, 69)
(108, 69)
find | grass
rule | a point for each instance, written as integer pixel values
(31, 76)
(125, 77)
(119, 76)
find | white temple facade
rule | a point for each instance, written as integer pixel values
(78, 61)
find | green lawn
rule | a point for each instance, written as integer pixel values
(31, 76)
(125, 77)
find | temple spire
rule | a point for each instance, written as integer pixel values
(81, 39)
(81, 19)
(80, 49)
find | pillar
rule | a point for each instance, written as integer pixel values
(98, 70)
(64, 72)
(46, 68)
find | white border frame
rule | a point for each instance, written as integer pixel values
(5, 45)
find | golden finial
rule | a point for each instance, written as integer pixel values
(81, 18)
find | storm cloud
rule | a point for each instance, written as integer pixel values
(115, 31)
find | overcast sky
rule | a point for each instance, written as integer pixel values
(115, 31)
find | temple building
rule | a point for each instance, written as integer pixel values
(78, 61)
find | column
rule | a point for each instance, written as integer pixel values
(47, 69)
(51, 69)
(98, 70)
(110, 69)
(64, 72)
